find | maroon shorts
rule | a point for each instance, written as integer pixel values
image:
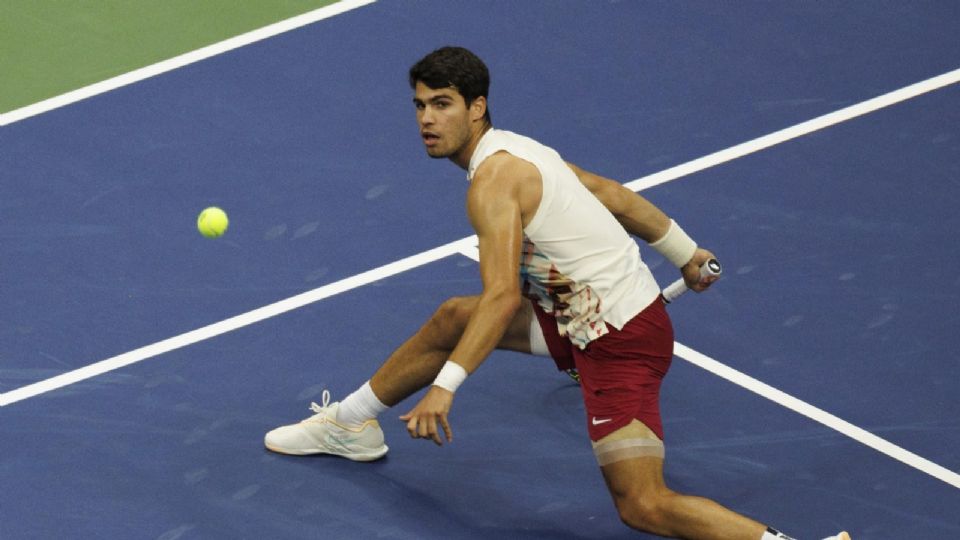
(621, 372)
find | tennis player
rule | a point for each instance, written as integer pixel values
(562, 277)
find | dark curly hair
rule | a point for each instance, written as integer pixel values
(454, 67)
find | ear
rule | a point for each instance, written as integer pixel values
(478, 108)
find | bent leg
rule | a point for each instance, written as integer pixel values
(416, 363)
(349, 423)
(633, 472)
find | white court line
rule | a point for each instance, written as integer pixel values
(182, 60)
(233, 323)
(799, 130)
(858, 434)
(777, 396)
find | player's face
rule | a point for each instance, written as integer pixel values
(443, 118)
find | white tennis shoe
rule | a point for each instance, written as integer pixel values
(321, 434)
(842, 536)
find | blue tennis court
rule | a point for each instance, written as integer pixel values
(840, 288)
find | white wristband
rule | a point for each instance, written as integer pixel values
(451, 376)
(676, 246)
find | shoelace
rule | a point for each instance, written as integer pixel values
(326, 402)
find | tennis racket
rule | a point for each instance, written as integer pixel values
(673, 291)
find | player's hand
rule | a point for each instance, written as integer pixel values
(691, 271)
(433, 408)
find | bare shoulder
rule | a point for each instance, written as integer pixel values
(505, 170)
(506, 177)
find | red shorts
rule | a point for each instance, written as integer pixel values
(621, 372)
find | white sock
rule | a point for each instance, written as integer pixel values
(360, 406)
(773, 534)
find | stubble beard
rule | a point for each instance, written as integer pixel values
(437, 153)
(444, 152)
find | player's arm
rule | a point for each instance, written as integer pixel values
(642, 218)
(638, 216)
(493, 207)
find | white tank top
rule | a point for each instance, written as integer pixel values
(578, 262)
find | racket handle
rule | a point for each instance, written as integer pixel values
(673, 291)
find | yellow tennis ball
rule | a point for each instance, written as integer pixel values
(212, 222)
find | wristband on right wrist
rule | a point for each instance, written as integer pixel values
(451, 376)
(675, 245)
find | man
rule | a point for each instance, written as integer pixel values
(557, 235)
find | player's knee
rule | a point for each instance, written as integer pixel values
(454, 313)
(643, 511)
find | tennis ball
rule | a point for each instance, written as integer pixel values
(212, 222)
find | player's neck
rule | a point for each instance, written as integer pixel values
(462, 158)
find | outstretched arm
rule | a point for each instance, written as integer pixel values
(494, 209)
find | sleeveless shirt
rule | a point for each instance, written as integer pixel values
(578, 263)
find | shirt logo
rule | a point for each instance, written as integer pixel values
(598, 422)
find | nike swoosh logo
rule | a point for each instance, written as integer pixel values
(604, 421)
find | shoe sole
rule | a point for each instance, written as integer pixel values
(369, 456)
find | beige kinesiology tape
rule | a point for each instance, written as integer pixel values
(631, 441)
(613, 451)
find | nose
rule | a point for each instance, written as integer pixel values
(426, 116)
